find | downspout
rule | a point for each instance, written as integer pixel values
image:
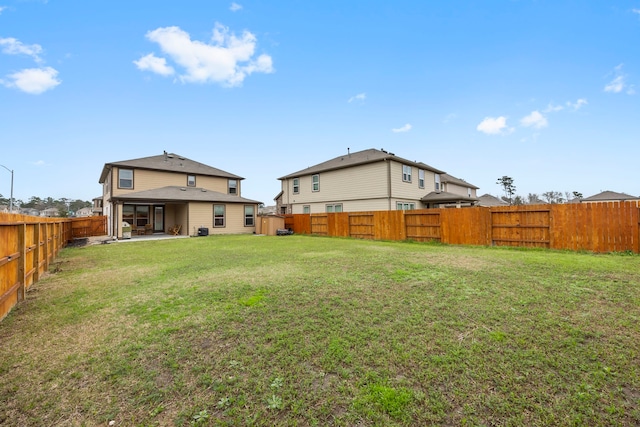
(388, 183)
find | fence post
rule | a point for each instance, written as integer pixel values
(22, 259)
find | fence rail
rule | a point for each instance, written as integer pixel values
(595, 227)
(29, 244)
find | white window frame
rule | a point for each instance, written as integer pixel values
(333, 208)
(405, 206)
(315, 182)
(296, 185)
(121, 178)
(306, 209)
(191, 180)
(436, 179)
(406, 173)
(421, 178)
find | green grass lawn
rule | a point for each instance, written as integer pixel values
(298, 330)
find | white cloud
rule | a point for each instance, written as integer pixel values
(578, 104)
(13, 46)
(405, 128)
(38, 163)
(2, 8)
(227, 60)
(636, 11)
(358, 97)
(154, 64)
(235, 7)
(553, 108)
(619, 82)
(535, 120)
(33, 80)
(494, 126)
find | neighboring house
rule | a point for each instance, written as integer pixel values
(50, 212)
(97, 206)
(488, 200)
(30, 211)
(169, 192)
(82, 212)
(369, 180)
(608, 196)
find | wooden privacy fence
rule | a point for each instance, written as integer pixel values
(29, 244)
(596, 227)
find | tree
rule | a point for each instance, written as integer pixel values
(508, 187)
(534, 199)
(577, 195)
(553, 197)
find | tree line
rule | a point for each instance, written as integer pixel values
(552, 197)
(65, 206)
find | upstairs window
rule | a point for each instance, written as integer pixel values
(233, 186)
(125, 178)
(437, 181)
(296, 185)
(315, 183)
(421, 178)
(191, 180)
(249, 216)
(406, 173)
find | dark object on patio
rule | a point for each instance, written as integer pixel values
(284, 232)
(203, 231)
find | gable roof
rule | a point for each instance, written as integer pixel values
(168, 162)
(355, 159)
(182, 194)
(489, 200)
(446, 197)
(609, 196)
(446, 178)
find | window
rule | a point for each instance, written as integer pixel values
(128, 213)
(315, 183)
(233, 186)
(296, 185)
(469, 192)
(191, 180)
(405, 206)
(406, 173)
(421, 178)
(437, 178)
(249, 219)
(125, 178)
(218, 215)
(334, 208)
(306, 209)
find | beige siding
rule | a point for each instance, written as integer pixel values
(148, 180)
(201, 215)
(347, 206)
(410, 191)
(375, 186)
(459, 189)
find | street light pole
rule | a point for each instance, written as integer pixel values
(11, 199)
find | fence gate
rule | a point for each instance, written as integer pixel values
(423, 226)
(511, 226)
(361, 226)
(320, 224)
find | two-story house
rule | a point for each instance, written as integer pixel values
(370, 180)
(169, 192)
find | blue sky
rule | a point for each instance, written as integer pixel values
(543, 91)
